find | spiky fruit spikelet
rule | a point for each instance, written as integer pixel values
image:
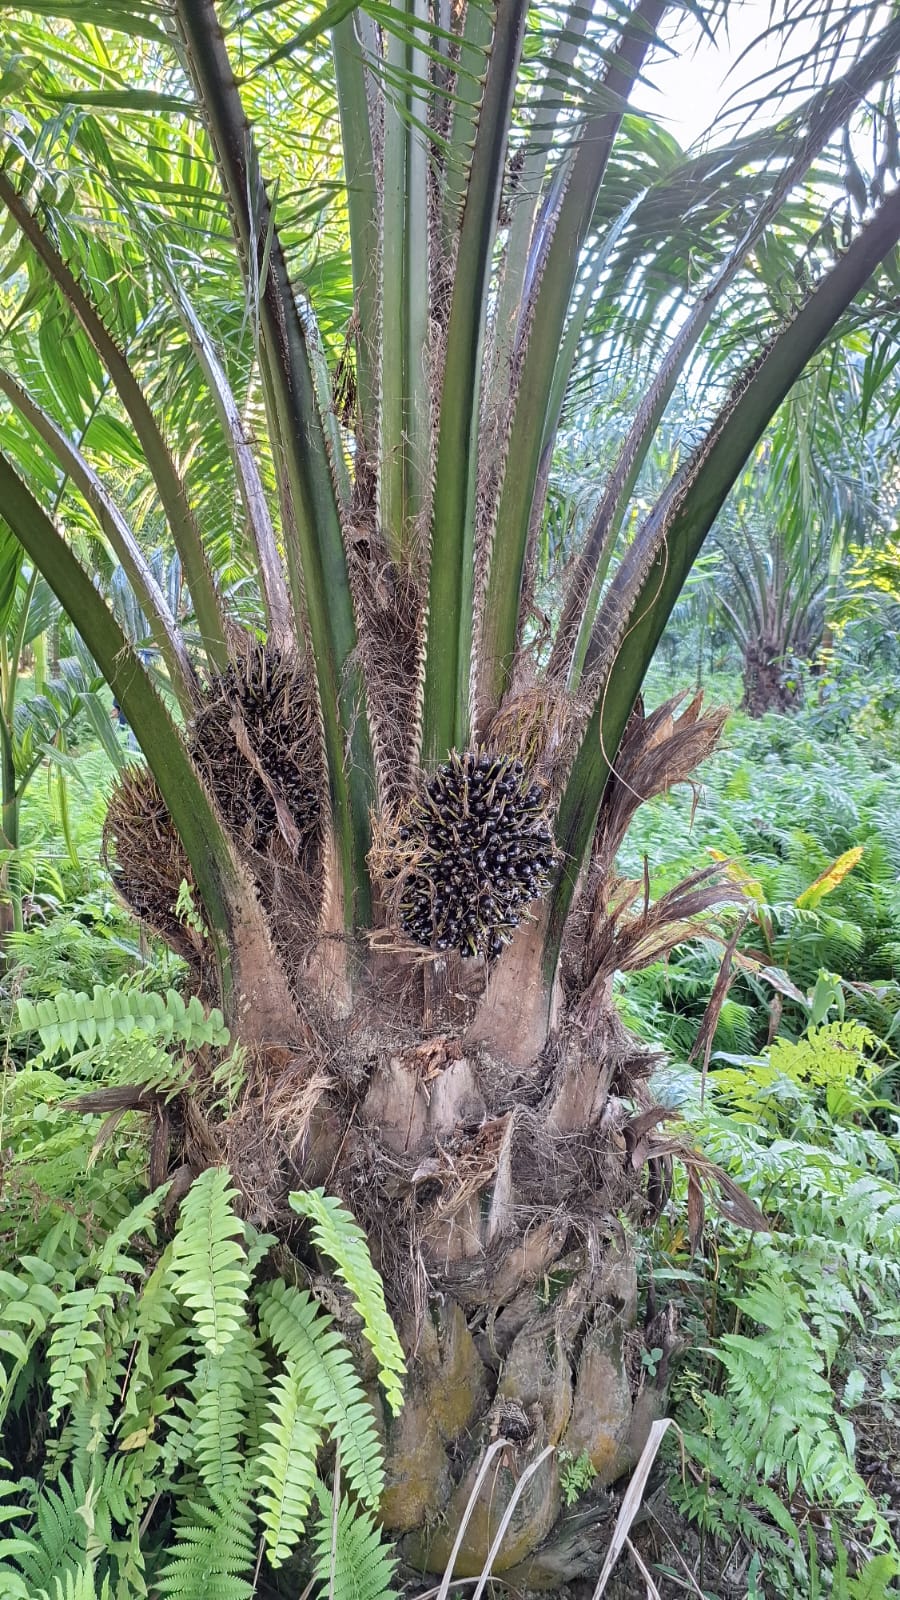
(474, 851)
(257, 740)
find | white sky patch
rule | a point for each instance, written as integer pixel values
(689, 90)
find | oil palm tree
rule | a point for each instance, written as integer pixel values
(820, 483)
(399, 825)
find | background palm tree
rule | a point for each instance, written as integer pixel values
(820, 484)
(396, 802)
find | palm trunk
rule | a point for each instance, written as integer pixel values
(495, 1175)
(530, 1337)
(767, 685)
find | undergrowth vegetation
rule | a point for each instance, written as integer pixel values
(788, 1391)
(782, 808)
(166, 1383)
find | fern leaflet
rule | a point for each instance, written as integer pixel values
(209, 1268)
(212, 1552)
(338, 1235)
(71, 1019)
(286, 1465)
(305, 1335)
(359, 1567)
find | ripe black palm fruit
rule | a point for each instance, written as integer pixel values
(481, 849)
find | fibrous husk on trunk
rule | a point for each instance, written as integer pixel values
(489, 1196)
(495, 1186)
(390, 607)
(540, 722)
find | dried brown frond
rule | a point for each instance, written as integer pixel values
(705, 1176)
(617, 941)
(658, 750)
(284, 1133)
(147, 862)
(702, 1046)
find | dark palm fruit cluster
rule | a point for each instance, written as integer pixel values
(270, 692)
(483, 853)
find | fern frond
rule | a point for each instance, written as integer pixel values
(213, 1551)
(221, 1391)
(80, 1333)
(78, 1340)
(27, 1305)
(140, 1219)
(208, 1265)
(360, 1567)
(156, 1361)
(72, 1018)
(338, 1235)
(15, 1543)
(286, 1465)
(57, 1542)
(304, 1335)
(79, 1585)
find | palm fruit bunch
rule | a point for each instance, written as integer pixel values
(256, 738)
(479, 849)
(145, 857)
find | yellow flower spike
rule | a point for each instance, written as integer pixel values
(829, 879)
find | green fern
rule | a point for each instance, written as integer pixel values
(783, 1419)
(305, 1335)
(78, 1340)
(27, 1304)
(351, 1562)
(286, 1465)
(792, 1306)
(209, 1266)
(155, 1369)
(56, 1544)
(221, 1390)
(72, 1019)
(79, 1585)
(14, 1542)
(338, 1235)
(213, 1550)
(79, 1323)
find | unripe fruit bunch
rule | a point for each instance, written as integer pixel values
(475, 849)
(256, 738)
